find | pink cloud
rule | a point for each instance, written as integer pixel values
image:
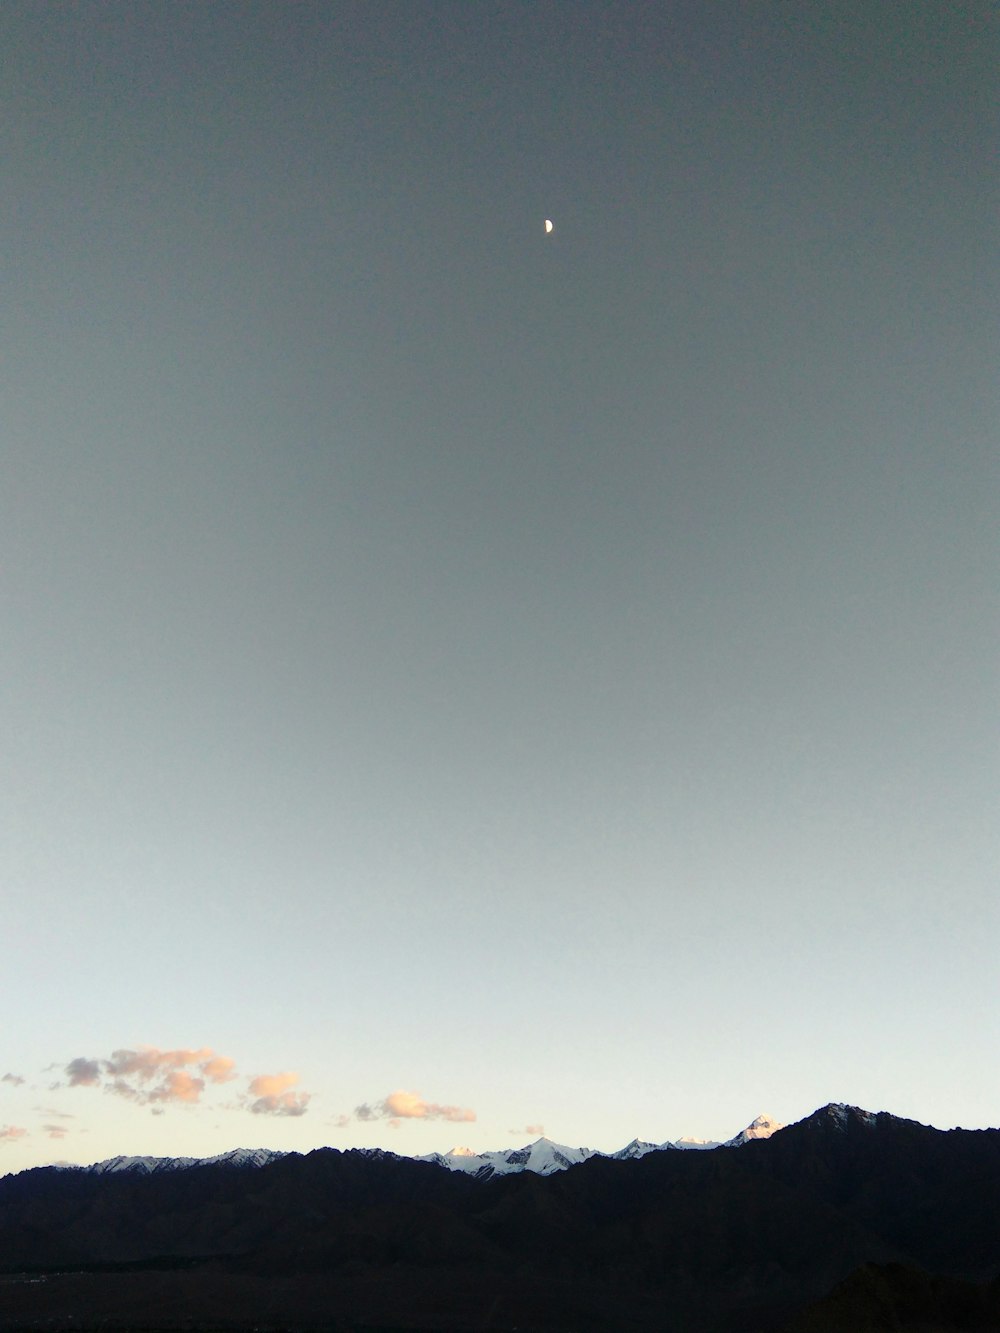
(219, 1069)
(272, 1096)
(9, 1133)
(270, 1085)
(55, 1131)
(178, 1086)
(401, 1105)
(150, 1076)
(532, 1131)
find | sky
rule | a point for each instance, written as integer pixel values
(461, 682)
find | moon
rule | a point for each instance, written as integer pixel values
(548, 226)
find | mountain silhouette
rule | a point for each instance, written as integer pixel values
(845, 1210)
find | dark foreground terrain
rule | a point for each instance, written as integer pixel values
(844, 1221)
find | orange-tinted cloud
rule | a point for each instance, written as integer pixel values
(178, 1086)
(402, 1105)
(270, 1085)
(55, 1131)
(219, 1069)
(532, 1131)
(8, 1133)
(272, 1096)
(151, 1076)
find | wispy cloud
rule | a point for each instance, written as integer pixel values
(402, 1105)
(15, 1079)
(153, 1077)
(9, 1133)
(55, 1131)
(272, 1095)
(531, 1131)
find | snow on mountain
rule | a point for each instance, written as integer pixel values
(244, 1157)
(841, 1114)
(637, 1148)
(140, 1166)
(761, 1128)
(543, 1157)
(149, 1166)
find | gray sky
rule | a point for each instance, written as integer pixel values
(551, 675)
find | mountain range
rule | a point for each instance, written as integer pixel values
(541, 1157)
(846, 1220)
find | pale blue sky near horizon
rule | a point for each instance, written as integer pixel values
(552, 675)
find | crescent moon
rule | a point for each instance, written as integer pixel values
(548, 226)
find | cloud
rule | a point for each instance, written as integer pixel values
(272, 1096)
(178, 1086)
(532, 1131)
(285, 1103)
(219, 1069)
(271, 1085)
(153, 1077)
(15, 1079)
(83, 1073)
(56, 1131)
(402, 1105)
(9, 1133)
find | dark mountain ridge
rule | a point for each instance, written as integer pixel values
(744, 1236)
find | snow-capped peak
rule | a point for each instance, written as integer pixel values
(140, 1166)
(841, 1114)
(637, 1148)
(148, 1166)
(761, 1128)
(543, 1157)
(244, 1157)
